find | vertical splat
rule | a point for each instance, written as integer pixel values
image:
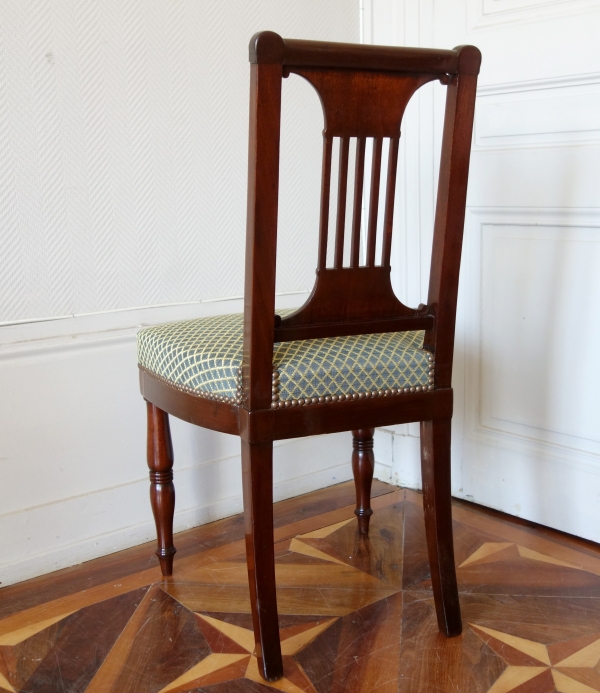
(341, 206)
(374, 201)
(358, 195)
(390, 196)
(325, 194)
(357, 106)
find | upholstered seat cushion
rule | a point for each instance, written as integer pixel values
(204, 356)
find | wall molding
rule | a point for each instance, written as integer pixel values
(531, 441)
(76, 326)
(512, 180)
(135, 309)
(549, 477)
(538, 113)
(485, 14)
(560, 455)
(73, 443)
(537, 84)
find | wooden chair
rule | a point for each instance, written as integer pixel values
(391, 364)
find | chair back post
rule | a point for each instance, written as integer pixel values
(363, 91)
(266, 58)
(450, 211)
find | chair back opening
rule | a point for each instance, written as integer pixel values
(364, 91)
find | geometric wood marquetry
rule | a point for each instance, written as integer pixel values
(363, 92)
(584, 655)
(356, 613)
(220, 666)
(496, 551)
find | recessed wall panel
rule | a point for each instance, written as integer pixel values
(540, 288)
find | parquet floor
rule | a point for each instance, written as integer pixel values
(355, 615)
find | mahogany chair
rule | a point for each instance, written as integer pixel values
(353, 357)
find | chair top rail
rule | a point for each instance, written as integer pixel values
(269, 47)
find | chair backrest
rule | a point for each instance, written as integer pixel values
(364, 91)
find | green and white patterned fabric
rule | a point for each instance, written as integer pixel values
(204, 356)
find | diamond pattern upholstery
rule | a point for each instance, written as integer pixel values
(204, 356)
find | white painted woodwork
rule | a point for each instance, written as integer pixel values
(526, 433)
(123, 131)
(75, 481)
(123, 167)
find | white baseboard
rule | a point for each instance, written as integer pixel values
(541, 483)
(397, 456)
(519, 477)
(84, 527)
(72, 450)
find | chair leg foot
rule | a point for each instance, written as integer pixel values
(257, 476)
(363, 466)
(435, 469)
(162, 490)
(166, 562)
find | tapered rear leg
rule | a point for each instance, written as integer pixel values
(162, 490)
(435, 470)
(363, 465)
(257, 476)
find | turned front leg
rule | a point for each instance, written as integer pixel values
(162, 490)
(363, 466)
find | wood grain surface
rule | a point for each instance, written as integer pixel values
(356, 613)
(364, 92)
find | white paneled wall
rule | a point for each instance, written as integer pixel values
(526, 433)
(123, 164)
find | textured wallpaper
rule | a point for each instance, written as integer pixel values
(123, 150)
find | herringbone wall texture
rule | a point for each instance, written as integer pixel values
(123, 150)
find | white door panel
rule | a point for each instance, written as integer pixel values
(529, 339)
(536, 178)
(527, 375)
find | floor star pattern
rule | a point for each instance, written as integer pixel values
(567, 666)
(356, 615)
(233, 657)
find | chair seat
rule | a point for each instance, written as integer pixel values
(204, 357)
